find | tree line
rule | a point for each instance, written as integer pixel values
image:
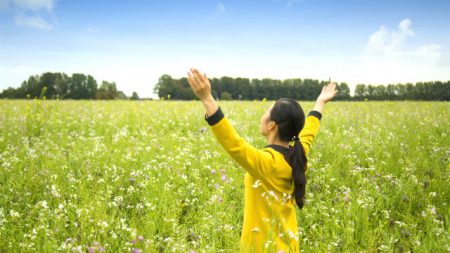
(81, 86)
(228, 88)
(61, 86)
(419, 91)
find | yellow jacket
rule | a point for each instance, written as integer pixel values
(270, 222)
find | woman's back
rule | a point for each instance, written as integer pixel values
(270, 222)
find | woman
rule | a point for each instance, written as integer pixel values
(275, 180)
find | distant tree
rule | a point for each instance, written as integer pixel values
(32, 87)
(12, 93)
(165, 86)
(445, 91)
(391, 92)
(226, 96)
(343, 91)
(379, 92)
(82, 87)
(410, 91)
(370, 90)
(121, 95)
(297, 88)
(134, 96)
(107, 91)
(226, 84)
(241, 88)
(360, 91)
(400, 91)
(61, 86)
(311, 89)
(185, 92)
(215, 87)
(267, 88)
(257, 89)
(440, 90)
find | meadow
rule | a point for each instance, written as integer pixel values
(148, 176)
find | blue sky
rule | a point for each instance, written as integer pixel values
(134, 42)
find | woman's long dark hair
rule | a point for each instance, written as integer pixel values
(290, 118)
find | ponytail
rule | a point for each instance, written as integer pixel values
(290, 118)
(297, 159)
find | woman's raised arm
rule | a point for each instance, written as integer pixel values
(312, 123)
(202, 89)
(256, 162)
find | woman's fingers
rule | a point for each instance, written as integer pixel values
(196, 73)
(201, 79)
(199, 84)
(326, 88)
(192, 82)
(331, 86)
(330, 89)
(198, 77)
(333, 89)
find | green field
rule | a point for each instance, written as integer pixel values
(149, 175)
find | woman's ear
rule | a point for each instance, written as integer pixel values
(272, 125)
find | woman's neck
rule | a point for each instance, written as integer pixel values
(274, 140)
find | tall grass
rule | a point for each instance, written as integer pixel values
(124, 176)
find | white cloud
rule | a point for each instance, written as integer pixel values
(29, 4)
(393, 45)
(390, 57)
(36, 22)
(384, 40)
(35, 4)
(430, 50)
(27, 12)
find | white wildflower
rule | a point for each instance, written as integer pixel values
(14, 213)
(256, 184)
(256, 229)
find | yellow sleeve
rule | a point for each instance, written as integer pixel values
(255, 161)
(310, 130)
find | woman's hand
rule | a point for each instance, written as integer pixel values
(202, 89)
(200, 85)
(328, 92)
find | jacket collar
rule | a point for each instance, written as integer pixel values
(279, 148)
